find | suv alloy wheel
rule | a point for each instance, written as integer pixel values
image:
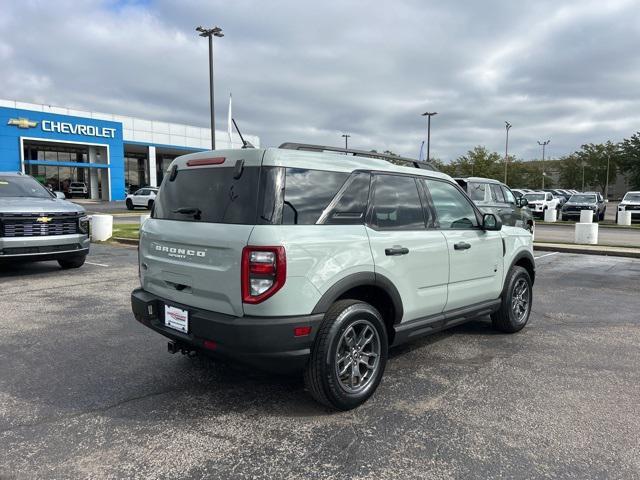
(349, 355)
(514, 311)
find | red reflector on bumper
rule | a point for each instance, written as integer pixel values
(301, 331)
(210, 344)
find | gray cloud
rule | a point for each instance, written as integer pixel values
(308, 71)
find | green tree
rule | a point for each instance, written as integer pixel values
(478, 162)
(570, 168)
(594, 157)
(629, 159)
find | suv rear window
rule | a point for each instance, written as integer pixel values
(210, 195)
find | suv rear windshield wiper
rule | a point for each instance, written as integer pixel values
(196, 212)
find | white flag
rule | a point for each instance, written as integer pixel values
(230, 124)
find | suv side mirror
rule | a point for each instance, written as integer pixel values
(491, 222)
(522, 202)
(60, 195)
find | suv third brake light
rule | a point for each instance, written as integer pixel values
(264, 271)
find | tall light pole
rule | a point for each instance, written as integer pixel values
(346, 140)
(507, 126)
(584, 164)
(543, 145)
(210, 33)
(429, 115)
(606, 186)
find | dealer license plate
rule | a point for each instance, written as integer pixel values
(176, 318)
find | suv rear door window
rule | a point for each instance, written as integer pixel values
(496, 192)
(396, 204)
(209, 195)
(452, 207)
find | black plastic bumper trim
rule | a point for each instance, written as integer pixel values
(265, 342)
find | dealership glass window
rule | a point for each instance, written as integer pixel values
(136, 171)
(55, 153)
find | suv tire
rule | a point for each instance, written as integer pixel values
(129, 204)
(516, 302)
(347, 325)
(72, 262)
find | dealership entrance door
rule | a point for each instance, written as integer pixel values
(59, 164)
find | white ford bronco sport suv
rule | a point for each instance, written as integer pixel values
(317, 262)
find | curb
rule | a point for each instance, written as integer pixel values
(618, 252)
(568, 225)
(125, 241)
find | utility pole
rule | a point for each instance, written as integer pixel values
(429, 115)
(346, 141)
(606, 186)
(506, 150)
(583, 165)
(210, 33)
(543, 144)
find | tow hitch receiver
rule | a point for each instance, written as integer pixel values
(175, 347)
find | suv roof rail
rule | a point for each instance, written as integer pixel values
(360, 153)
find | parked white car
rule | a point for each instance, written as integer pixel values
(143, 197)
(78, 189)
(541, 201)
(630, 203)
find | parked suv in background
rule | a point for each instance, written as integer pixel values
(630, 202)
(539, 202)
(36, 225)
(143, 197)
(584, 201)
(78, 189)
(492, 196)
(315, 262)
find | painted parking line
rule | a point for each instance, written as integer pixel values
(96, 264)
(547, 255)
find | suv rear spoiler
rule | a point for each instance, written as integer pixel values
(403, 161)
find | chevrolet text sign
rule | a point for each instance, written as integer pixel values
(78, 129)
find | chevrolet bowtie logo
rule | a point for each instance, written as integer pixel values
(43, 219)
(22, 122)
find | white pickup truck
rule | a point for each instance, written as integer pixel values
(541, 201)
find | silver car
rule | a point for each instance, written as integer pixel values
(36, 224)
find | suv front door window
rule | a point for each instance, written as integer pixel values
(405, 251)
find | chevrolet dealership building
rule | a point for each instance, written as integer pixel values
(111, 154)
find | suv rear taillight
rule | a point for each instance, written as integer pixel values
(264, 271)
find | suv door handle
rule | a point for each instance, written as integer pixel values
(462, 246)
(390, 252)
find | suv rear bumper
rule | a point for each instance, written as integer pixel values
(265, 342)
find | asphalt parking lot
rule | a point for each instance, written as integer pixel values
(87, 392)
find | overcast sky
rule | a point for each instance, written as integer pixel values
(309, 71)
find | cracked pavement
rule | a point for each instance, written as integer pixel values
(87, 392)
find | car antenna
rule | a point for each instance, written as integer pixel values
(245, 143)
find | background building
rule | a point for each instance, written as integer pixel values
(112, 154)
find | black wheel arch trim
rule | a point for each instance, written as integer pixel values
(529, 256)
(361, 279)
